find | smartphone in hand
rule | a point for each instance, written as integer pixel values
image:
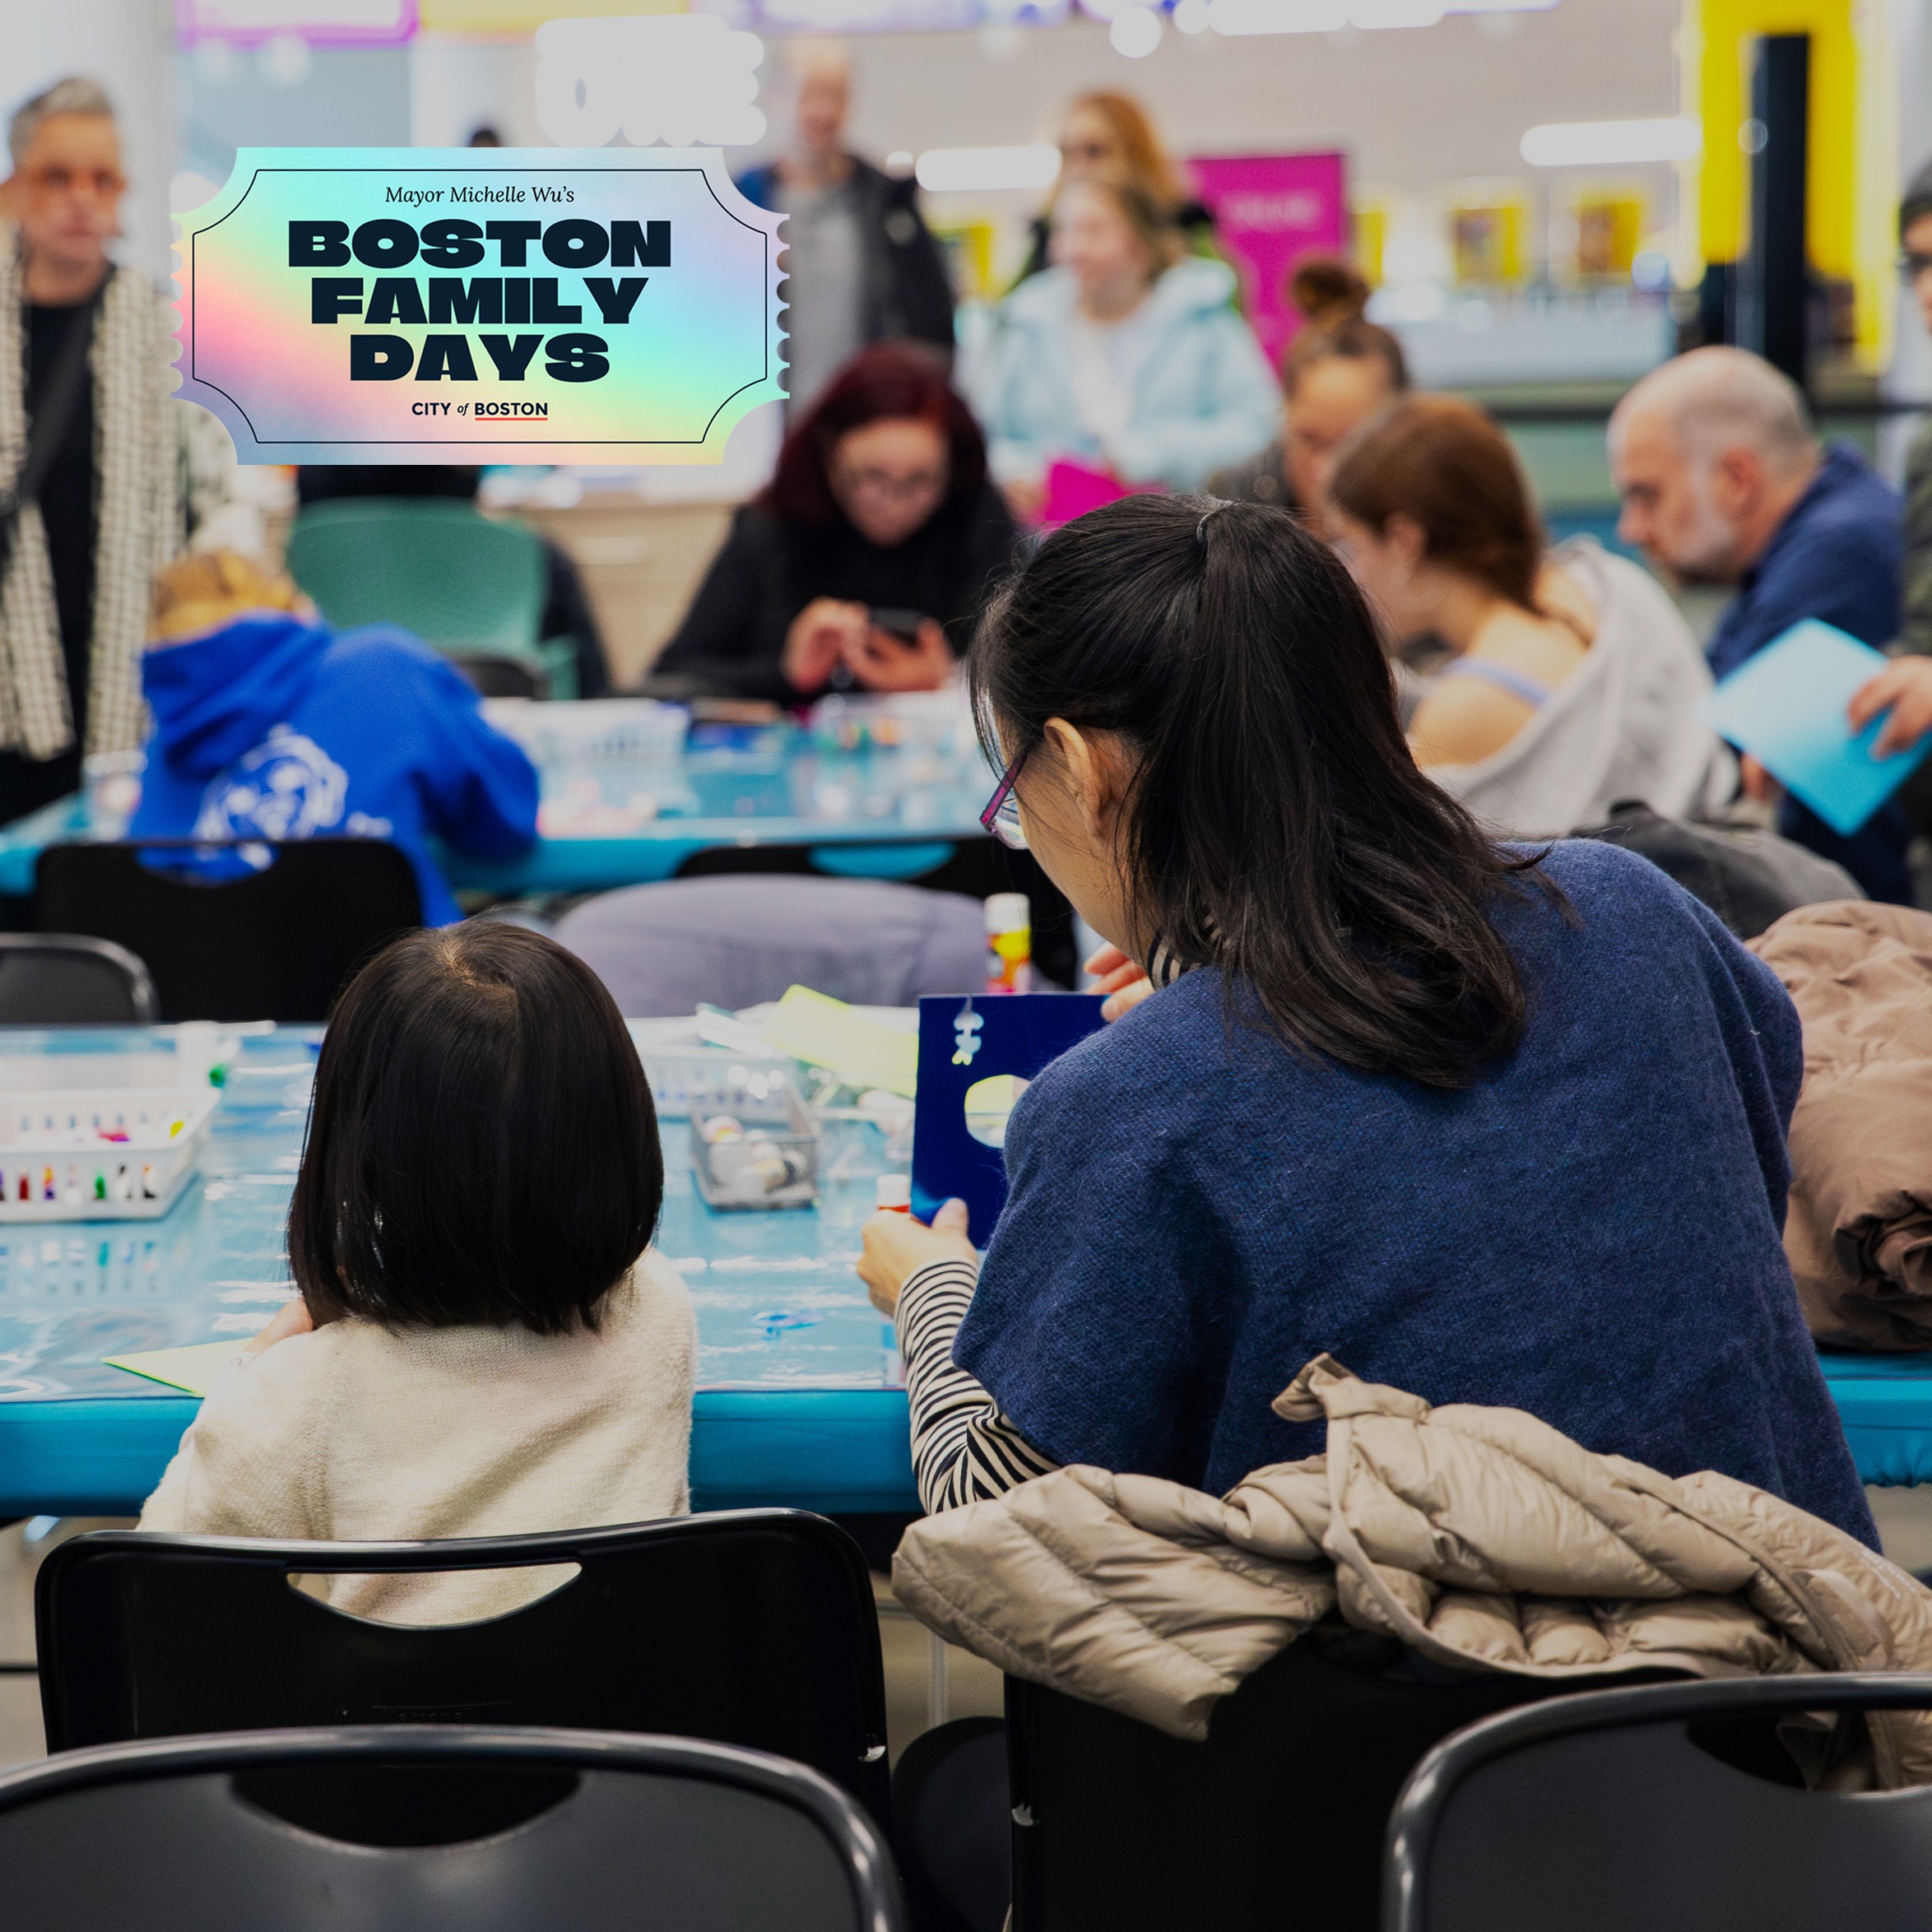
(902, 625)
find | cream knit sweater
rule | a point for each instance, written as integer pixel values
(359, 1433)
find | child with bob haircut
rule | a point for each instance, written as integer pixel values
(484, 1343)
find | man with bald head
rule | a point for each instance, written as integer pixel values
(1723, 481)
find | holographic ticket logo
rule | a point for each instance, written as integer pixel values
(612, 305)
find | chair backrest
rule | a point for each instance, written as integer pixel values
(1277, 1820)
(748, 1627)
(275, 944)
(662, 949)
(437, 1830)
(65, 979)
(438, 568)
(1666, 1808)
(496, 675)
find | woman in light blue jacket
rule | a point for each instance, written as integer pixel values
(1123, 356)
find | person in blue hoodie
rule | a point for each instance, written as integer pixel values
(268, 725)
(1123, 356)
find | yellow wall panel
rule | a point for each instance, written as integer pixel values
(1852, 164)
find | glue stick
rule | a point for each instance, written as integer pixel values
(1008, 944)
(893, 1193)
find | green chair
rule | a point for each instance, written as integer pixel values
(461, 581)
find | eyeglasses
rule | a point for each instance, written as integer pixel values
(1911, 267)
(103, 184)
(894, 489)
(1001, 816)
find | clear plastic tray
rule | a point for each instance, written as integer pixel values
(593, 730)
(756, 1147)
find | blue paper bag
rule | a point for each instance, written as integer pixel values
(962, 1042)
(1785, 706)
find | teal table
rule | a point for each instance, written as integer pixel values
(875, 813)
(800, 1398)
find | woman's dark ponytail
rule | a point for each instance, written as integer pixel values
(1278, 826)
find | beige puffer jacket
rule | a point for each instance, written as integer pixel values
(1480, 1537)
(1859, 1231)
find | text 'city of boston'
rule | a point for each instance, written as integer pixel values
(490, 300)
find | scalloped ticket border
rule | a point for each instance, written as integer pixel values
(425, 305)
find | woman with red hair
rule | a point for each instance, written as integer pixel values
(866, 561)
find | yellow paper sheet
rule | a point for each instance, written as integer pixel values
(826, 1032)
(194, 1368)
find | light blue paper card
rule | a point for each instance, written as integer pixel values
(1785, 706)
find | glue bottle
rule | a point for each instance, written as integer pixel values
(893, 1194)
(1008, 944)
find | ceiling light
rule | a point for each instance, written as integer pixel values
(1277, 16)
(1394, 13)
(1135, 32)
(951, 169)
(1601, 144)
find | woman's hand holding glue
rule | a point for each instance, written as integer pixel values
(897, 1247)
(1125, 984)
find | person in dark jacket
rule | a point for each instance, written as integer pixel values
(861, 264)
(881, 506)
(1107, 136)
(1723, 481)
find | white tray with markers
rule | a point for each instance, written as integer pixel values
(99, 1153)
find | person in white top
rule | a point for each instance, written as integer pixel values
(1572, 682)
(1123, 356)
(484, 1343)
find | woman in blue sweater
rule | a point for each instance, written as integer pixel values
(1494, 1125)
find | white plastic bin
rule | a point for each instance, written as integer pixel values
(99, 1153)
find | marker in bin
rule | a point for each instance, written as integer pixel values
(1008, 944)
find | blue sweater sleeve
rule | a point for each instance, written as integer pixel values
(1851, 582)
(1088, 1326)
(480, 788)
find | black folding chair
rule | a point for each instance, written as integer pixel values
(1672, 1808)
(442, 1829)
(273, 944)
(65, 979)
(750, 1627)
(496, 675)
(1277, 1820)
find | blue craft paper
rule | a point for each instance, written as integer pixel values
(1785, 706)
(1017, 1034)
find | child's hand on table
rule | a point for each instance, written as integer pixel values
(897, 1247)
(295, 1318)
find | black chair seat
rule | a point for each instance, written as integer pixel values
(1672, 1808)
(65, 979)
(436, 1830)
(272, 944)
(497, 675)
(748, 1627)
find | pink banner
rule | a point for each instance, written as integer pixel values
(1271, 210)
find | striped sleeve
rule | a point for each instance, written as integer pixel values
(964, 1450)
